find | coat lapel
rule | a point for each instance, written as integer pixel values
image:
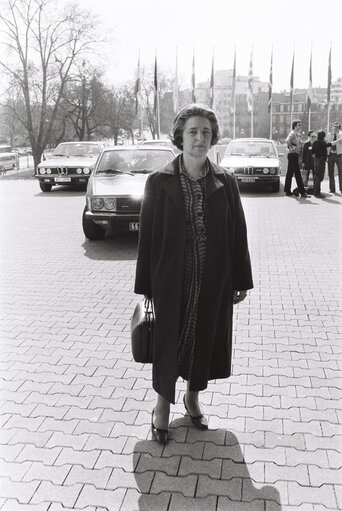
(172, 184)
(214, 183)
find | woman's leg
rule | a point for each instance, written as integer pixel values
(161, 413)
(191, 399)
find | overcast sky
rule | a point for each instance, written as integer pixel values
(204, 24)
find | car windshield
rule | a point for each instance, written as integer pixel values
(74, 149)
(251, 148)
(133, 161)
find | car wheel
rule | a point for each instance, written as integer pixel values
(91, 230)
(276, 186)
(45, 187)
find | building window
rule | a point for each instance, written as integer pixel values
(300, 108)
(282, 108)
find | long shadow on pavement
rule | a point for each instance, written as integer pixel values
(121, 247)
(205, 472)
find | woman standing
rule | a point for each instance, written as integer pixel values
(193, 261)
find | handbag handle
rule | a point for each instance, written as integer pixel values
(148, 306)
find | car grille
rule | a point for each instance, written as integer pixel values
(249, 171)
(129, 204)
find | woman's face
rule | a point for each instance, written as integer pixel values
(197, 136)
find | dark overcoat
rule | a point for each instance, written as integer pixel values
(159, 273)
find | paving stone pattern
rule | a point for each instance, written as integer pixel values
(75, 409)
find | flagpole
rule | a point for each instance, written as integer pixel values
(291, 91)
(212, 81)
(270, 99)
(234, 93)
(329, 90)
(250, 99)
(193, 79)
(157, 96)
(310, 91)
(175, 88)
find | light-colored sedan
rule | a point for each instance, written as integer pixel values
(116, 187)
(253, 160)
(71, 163)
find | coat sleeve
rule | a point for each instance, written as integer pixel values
(242, 271)
(143, 267)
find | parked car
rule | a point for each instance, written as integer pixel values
(253, 160)
(116, 187)
(70, 163)
(8, 158)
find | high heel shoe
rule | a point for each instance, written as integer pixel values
(199, 421)
(160, 435)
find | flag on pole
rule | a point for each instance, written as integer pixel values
(175, 88)
(270, 85)
(137, 87)
(155, 105)
(329, 77)
(291, 84)
(310, 83)
(212, 84)
(232, 104)
(193, 80)
(250, 85)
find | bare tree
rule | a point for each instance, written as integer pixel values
(86, 103)
(147, 98)
(120, 111)
(43, 46)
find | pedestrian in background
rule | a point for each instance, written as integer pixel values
(307, 158)
(320, 152)
(335, 156)
(294, 146)
(193, 261)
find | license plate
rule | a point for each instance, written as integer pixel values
(62, 179)
(247, 179)
(133, 226)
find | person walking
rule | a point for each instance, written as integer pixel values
(294, 146)
(193, 262)
(335, 156)
(319, 151)
(307, 158)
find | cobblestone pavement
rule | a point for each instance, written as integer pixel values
(75, 409)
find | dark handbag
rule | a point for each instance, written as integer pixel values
(142, 324)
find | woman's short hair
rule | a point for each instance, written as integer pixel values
(321, 135)
(295, 122)
(191, 111)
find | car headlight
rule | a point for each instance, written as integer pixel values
(86, 170)
(42, 170)
(48, 171)
(273, 171)
(265, 170)
(110, 203)
(79, 170)
(97, 203)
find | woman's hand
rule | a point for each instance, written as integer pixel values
(239, 296)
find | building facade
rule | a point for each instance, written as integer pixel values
(281, 115)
